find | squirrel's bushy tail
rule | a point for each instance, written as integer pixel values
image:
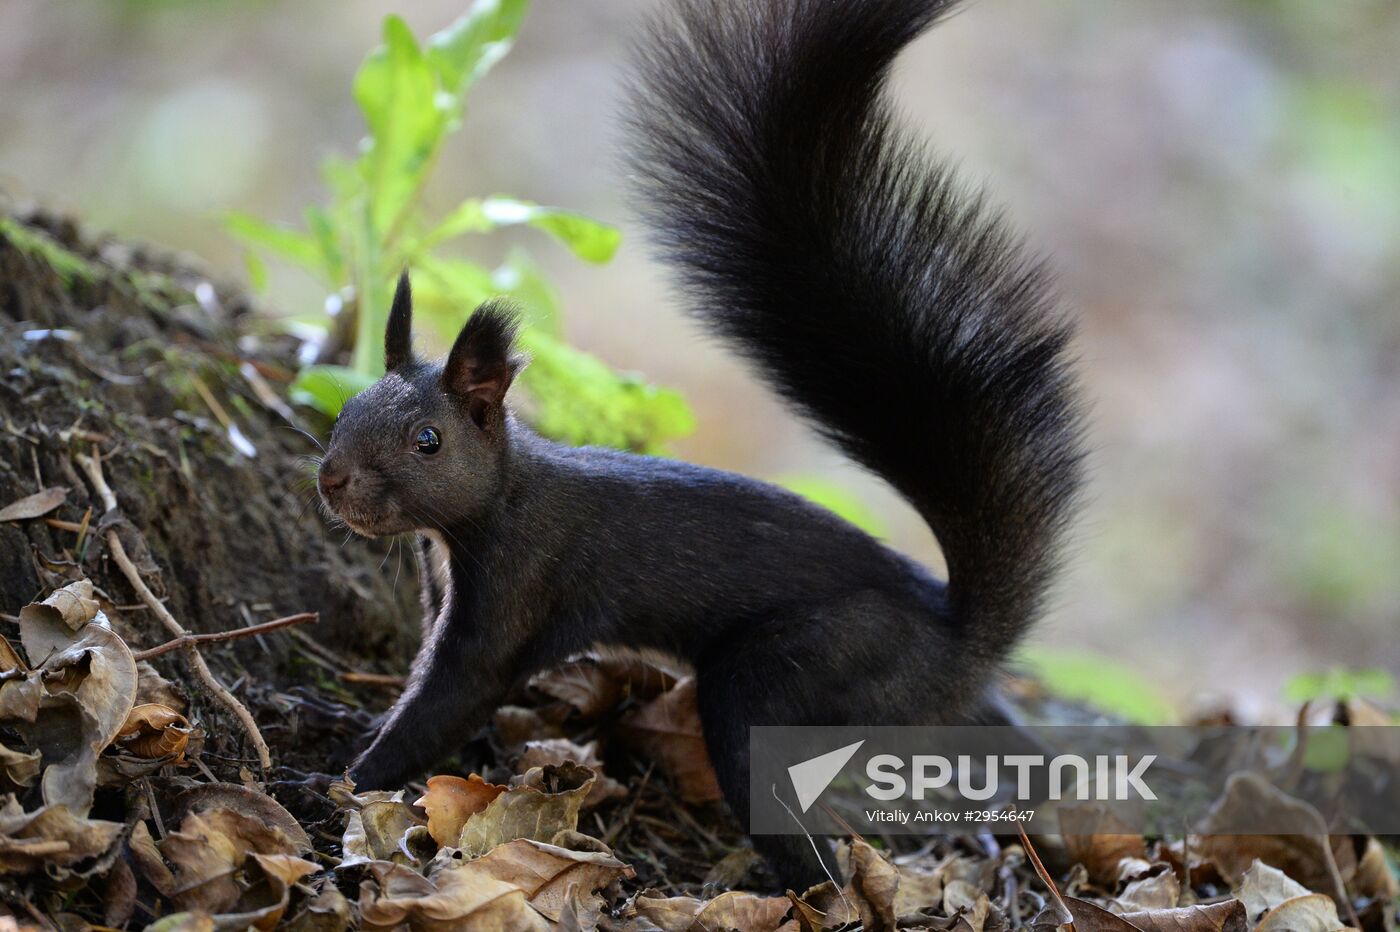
(883, 300)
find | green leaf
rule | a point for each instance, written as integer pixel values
(257, 271)
(1101, 682)
(1328, 749)
(327, 388)
(467, 49)
(578, 399)
(1340, 684)
(327, 242)
(836, 499)
(520, 278)
(456, 281)
(344, 177)
(588, 239)
(292, 245)
(468, 217)
(397, 92)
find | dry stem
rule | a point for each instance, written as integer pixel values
(1045, 877)
(189, 640)
(93, 467)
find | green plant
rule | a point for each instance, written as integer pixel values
(1099, 681)
(1340, 684)
(837, 499)
(413, 97)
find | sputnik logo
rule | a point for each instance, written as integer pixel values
(811, 777)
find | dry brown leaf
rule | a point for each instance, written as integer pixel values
(1314, 912)
(153, 688)
(918, 889)
(119, 894)
(1302, 850)
(1225, 916)
(50, 837)
(644, 675)
(257, 899)
(1360, 716)
(380, 826)
(265, 899)
(969, 905)
(379, 831)
(262, 900)
(545, 802)
(1374, 878)
(563, 751)
(554, 878)
(746, 912)
(582, 685)
(184, 922)
(517, 724)
(208, 850)
(1158, 889)
(327, 911)
(668, 730)
(1201, 870)
(20, 695)
(1100, 841)
(68, 608)
(806, 917)
(154, 731)
(1263, 887)
(146, 856)
(667, 913)
(874, 881)
(450, 801)
(87, 685)
(10, 660)
(731, 871)
(868, 897)
(18, 768)
(451, 901)
(1302, 857)
(250, 802)
(34, 506)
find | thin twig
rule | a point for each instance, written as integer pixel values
(93, 467)
(189, 640)
(1045, 877)
(374, 679)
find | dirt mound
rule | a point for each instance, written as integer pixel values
(181, 389)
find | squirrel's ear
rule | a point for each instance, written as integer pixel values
(398, 335)
(483, 362)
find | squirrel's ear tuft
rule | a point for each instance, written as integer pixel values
(398, 335)
(483, 361)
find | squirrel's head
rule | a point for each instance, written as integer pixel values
(425, 446)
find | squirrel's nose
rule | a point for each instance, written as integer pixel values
(332, 478)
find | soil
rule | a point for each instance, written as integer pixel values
(141, 355)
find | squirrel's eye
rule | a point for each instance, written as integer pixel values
(428, 440)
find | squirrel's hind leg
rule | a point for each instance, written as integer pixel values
(871, 658)
(729, 690)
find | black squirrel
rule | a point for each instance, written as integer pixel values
(887, 304)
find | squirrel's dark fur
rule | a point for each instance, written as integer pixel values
(886, 304)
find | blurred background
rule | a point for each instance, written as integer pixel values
(1218, 184)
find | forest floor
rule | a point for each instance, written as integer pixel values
(184, 643)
